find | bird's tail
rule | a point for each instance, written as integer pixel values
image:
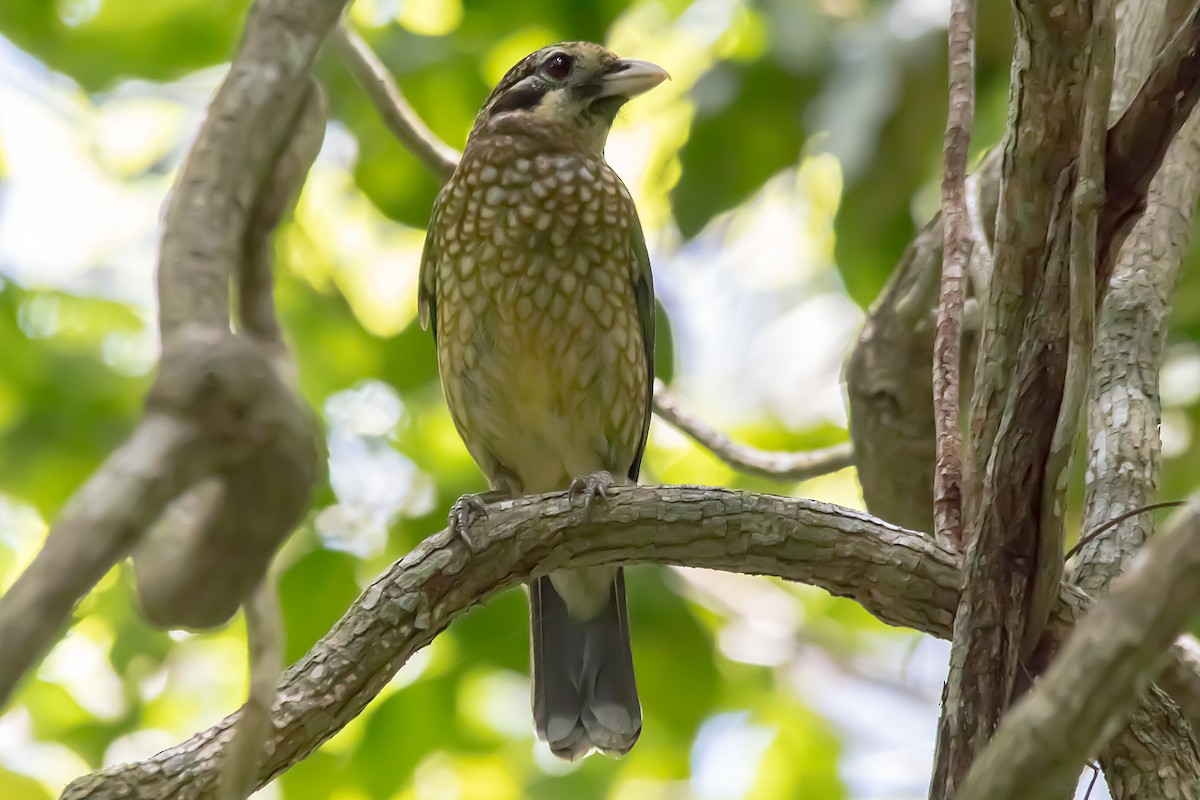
(584, 694)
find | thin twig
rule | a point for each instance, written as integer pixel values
(1117, 520)
(956, 254)
(1092, 783)
(776, 465)
(397, 114)
(264, 633)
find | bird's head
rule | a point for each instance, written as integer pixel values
(575, 87)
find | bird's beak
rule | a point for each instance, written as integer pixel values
(629, 77)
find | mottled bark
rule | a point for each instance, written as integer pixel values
(902, 577)
(887, 380)
(1156, 756)
(1019, 383)
(957, 244)
(1085, 696)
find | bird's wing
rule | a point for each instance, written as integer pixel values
(643, 292)
(427, 278)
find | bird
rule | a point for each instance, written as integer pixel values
(536, 282)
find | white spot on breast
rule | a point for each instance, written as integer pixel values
(488, 174)
(524, 307)
(594, 297)
(495, 196)
(558, 306)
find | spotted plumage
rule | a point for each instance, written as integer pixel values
(537, 284)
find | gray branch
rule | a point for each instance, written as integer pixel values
(221, 408)
(96, 529)
(958, 242)
(1156, 757)
(1084, 697)
(373, 76)
(902, 577)
(772, 464)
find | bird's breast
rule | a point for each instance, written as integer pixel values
(538, 328)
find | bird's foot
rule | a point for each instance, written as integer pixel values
(466, 511)
(590, 487)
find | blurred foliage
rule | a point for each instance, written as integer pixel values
(758, 86)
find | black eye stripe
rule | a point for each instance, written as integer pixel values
(518, 99)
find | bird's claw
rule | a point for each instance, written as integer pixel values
(466, 510)
(591, 486)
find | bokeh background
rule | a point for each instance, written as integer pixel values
(779, 175)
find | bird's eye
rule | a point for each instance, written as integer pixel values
(558, 66)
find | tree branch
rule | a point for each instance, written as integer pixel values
(956, 254)
(1179, 679)
(776, 465)
(96, 529)
(276, 198)
(1157, 756)
(902, 577)
(373, 76)
(220, 406)
(1123, 411)
(264, 632)
(246, 128)
(1082, 700)
(1079, 259)
(887, 379)
(1019, 387)
(1138, 142)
